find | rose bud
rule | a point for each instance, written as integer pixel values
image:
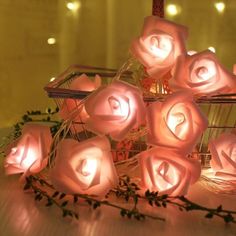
(72, 108)
(223, 155)
(115, 110)
(202, 74)
(159, 45)
(29, 153)
(176, 123)
(165, 171)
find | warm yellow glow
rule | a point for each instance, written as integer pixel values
(52, 79)
(161, 46)
(89, 167)
(73, 6)
(212, 49)
(51, 41)
(25, 156)
(220, 6)
(172, 10)
(175, 120)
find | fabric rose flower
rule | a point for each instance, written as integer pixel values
(176, 123)
(29, 154)
(115, 110)
(84, 167)
(72, 108)
(203, 74)
(223, 155)
(159, 45)
(167, 172)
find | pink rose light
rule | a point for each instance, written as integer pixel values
(115, 110)
(234, 69)
(167, 172)
(203, 74)
(84, 167)
(72, 108)
(30, 154)
(159, 45)
(223, 155)
(176, 123)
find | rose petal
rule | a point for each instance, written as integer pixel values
(30, 152)
(176, 175)
(162, 128)
(115, 109)
(84, 167)
(223, 153)
(159, 45)
(203, 74)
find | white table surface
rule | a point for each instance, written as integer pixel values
(20, 215)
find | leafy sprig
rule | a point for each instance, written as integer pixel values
(42, 188)
(128, 190)
(32, 116)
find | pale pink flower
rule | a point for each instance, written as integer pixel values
(223, 155)
(176, 122)
(84, 167)
(159, 45)
(165, 171)
(115, 110)
(203, 74)
(29, 154)
(72, 108)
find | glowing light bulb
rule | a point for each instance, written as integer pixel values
(89, 167)
(161, 46)
(175, 120)
(73, 6)
(172, 9)
(51, 41)
(220, 6)
(212, 49)
(52, 79)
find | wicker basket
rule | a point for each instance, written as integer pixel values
(220, 110)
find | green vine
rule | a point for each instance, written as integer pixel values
(126, 190)
(32, 116)
(42, 188)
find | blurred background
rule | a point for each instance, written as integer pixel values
(41, 38)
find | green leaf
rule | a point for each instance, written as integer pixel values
(157, 204)
(55, 194)
(89, 201)
(209, 215)
(27, 186)
(123, 212)
(37, 197)
(76, 216)
(129, 214)
(62, 195)
(164, 204)
(219, 208)
(164, 196)
(64, 203)
(76, 198)
(228, 218)
(49, 203)
(147, 193)
(64, 213)
(96, 205)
